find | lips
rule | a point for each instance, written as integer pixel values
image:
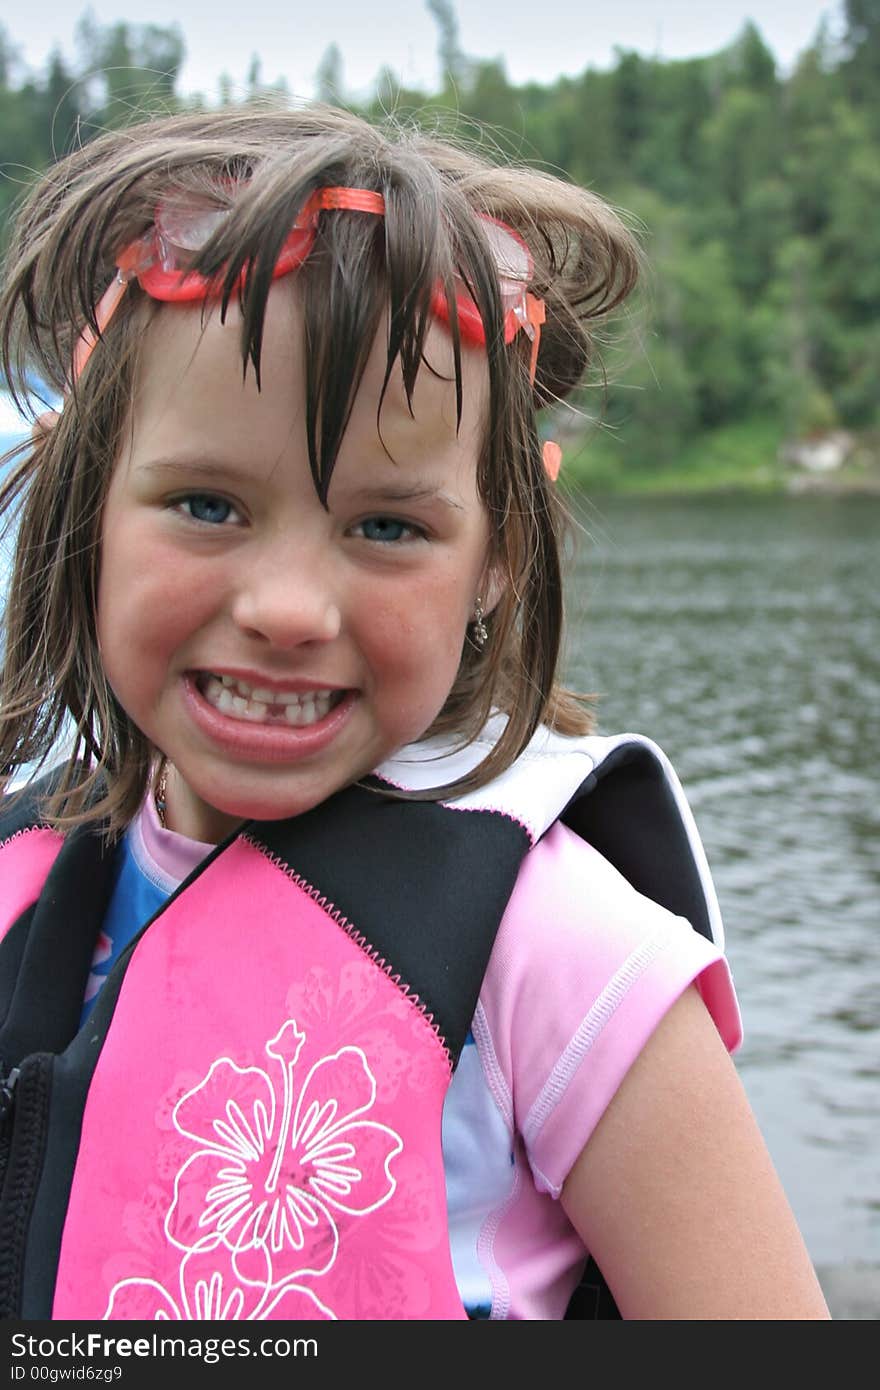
(293, 725)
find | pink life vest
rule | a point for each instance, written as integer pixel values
(248, 1124)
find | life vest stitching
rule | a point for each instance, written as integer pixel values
(339, 918)
(26, 830)
(529, 830)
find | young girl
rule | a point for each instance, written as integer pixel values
(344, 973)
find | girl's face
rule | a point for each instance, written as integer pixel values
(275, 651)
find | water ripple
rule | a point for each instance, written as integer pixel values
(745, 637)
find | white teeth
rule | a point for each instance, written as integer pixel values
(310, 711)
(253, 703)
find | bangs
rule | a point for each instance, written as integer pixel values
(363, 272)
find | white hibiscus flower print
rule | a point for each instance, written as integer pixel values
(278, 1163)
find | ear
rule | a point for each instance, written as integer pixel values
(492, 588)
(44, 425)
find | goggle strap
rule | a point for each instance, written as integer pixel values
(351, 199)
(535, 315)
(551, 455)
(104, 311)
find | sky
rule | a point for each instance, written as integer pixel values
(538, 41)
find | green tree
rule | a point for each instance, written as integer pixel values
(861, 45)
(670, 158)
(132, 68)
(632, 90)
(63, 104)
(588, 145)
(329, 78)
(491, 100)
(791, 326)
(748, 62)
(453, 64)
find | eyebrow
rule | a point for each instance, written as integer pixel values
(192, 464)
(392, 492)
(378, 494)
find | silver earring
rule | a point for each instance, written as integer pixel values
(480, 631)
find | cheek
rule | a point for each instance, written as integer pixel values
(416, 639)
(147, 603)
(112, 603)
(434, 610)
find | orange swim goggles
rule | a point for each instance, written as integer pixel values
(157, 260)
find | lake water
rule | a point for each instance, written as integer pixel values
(744, 636)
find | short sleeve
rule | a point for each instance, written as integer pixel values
(582, 971)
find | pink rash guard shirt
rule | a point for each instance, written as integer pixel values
(582, 970)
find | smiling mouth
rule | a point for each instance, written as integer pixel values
(255, 705)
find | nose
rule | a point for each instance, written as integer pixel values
(288, 600)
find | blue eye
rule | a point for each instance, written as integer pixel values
(204, 506)
(385, 528)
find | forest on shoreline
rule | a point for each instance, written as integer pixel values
(755, 195)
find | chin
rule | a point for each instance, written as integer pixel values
(262, 807)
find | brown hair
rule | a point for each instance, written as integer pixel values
(98, 200)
